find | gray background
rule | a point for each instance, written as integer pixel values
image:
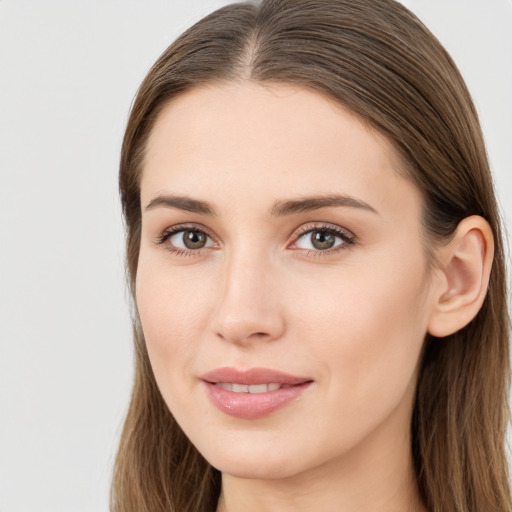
(68, 73)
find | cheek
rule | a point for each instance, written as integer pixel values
(172, 309)
(367, 332)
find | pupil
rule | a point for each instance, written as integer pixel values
(194, 239)
(322, 240)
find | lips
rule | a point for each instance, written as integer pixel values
(253, 393)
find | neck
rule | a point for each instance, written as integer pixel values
(375, 493)
(376, 476)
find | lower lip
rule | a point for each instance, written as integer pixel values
(251, 406)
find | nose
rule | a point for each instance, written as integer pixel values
(248, 309)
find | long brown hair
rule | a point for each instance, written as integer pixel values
(379, 60)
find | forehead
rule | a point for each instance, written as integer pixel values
(259, 140)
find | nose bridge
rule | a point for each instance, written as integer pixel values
(248, 307)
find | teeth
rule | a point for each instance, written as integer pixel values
(244, 388)
(260, 388)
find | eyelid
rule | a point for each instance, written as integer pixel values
(344, 234)
(164, 237)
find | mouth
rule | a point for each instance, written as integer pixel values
(254, 388)
(253, 393)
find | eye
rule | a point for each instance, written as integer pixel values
(323, 239)
(185, 239)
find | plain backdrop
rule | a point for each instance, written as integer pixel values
(68, 74)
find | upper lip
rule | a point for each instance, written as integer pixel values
(252, 376)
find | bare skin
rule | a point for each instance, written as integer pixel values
(260, 291)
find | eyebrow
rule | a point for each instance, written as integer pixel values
(306, 204)
(182, 203)
(279, 208)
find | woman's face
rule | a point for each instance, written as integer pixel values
(282, 285)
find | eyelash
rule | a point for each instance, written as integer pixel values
(346, 236)
(168, 233)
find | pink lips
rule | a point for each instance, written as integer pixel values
(254, 403)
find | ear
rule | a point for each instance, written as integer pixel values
(464, 270)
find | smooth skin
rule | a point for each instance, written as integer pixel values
(341, 292)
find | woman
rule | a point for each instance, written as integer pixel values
(316, 263)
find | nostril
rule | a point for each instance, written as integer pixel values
(243, 337)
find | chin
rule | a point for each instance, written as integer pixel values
(257, 470)
(253, 460)
(279, 458)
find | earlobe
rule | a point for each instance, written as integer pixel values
(465, 266)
